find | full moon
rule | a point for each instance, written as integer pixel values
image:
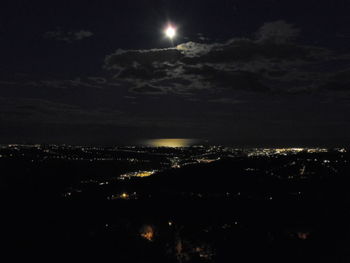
(170, 32)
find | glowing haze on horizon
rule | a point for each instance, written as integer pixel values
(171, 142)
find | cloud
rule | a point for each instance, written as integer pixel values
(36, 111)
(277, 32)
(148, 89)
(270, 63)
(82, 34)
(69, 36)
(226, 101)
(201, 37)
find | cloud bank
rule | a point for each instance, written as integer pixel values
(271, 63)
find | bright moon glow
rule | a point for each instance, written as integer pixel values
(170, 32)
(173, 143)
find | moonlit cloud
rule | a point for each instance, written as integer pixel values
(271, 63)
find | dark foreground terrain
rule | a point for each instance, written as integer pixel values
(203, 204)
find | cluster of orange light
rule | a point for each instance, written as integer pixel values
(147, 232)
(144, 174)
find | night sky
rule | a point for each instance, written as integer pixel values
(245, 72)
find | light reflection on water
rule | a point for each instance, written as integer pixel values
(173, 143)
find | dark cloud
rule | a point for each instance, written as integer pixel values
(42, 111)
(271, 63)
(148, 89)
(68, 36)
(277, 32)
(338, 81)
(226, 101)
